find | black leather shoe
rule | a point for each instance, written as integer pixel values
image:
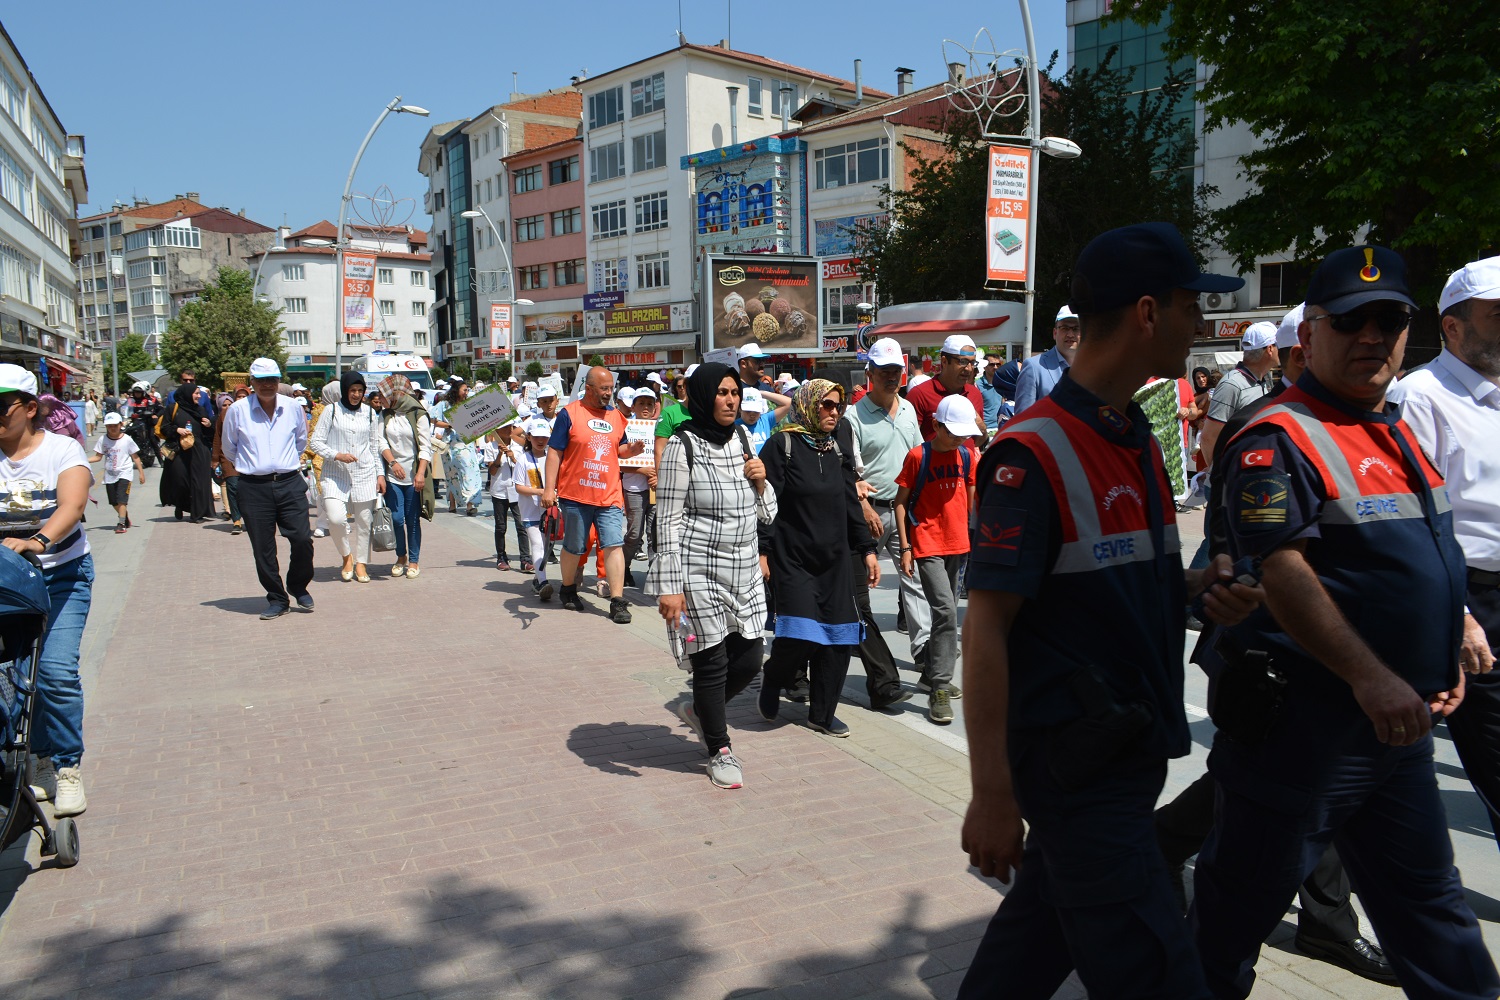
(1359, 956)
(273, 611)
(884, 704)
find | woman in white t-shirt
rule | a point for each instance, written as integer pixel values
(44, 484)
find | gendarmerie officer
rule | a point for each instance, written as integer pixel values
(1364, 586)
(265, 434)
(1071, 725)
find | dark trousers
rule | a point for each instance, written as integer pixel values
(267, 507)
(501, 507)
(826, 666)
(1321, 777)
(1182, 826)
(231, 492)
(1092, 894)
(882, 682)
(719, 673)
(1475, 727)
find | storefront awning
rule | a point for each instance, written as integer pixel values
(644, 342)
(58, 363)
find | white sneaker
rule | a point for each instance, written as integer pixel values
(69, 800)
(724, 770)
(319, 533)
(43, 779)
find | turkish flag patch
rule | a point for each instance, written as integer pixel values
(1257, 459)
(1009, 475)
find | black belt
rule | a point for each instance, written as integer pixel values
(1484, 578)
(270, 477)
(887, 504)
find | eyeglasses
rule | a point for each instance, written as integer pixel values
(961, 361)
(1387, 321)
(830, 404)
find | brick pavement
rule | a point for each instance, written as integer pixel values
(423, 790)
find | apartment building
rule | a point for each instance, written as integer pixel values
(42, 183)
(549, 248)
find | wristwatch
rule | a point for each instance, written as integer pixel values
(47, 543)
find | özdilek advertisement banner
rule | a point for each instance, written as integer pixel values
(767, 300)
(1007, 222)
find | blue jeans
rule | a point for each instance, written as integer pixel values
(58, 722)
(406, 517)
(579, 517)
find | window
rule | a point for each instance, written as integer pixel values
(148, 297)
(387, 307)
(486, 138)
(419, 279)
(649, 151)
(839, 303)
(47, 146)
(607, 161)
(562, 171)
(419, 339)
(353, 338)
(15, 182)
(293, 272)
(648, 95)
(529, 179)
(183, 236)
(609, 220)
(12, 98)
(419, 309)
(298, 305)
(478, 192)
(489, 189)
(114, 229)
(296, 338)
(606, 107)
(651, 271)
(651, 212)
(755, 97)
(150, 325)
(533, 227)
(611, 275)
(569, 220)
(140, 270)
(392, 341)
(385, 275)
(532, 278)
(1283, 284)
(96, 233)
(856, 163)
(568, 272)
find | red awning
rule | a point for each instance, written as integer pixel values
(935, 326)
(59, 363)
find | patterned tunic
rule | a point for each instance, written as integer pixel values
(356, 433)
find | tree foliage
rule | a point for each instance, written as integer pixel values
(502, 370)
(133, 358)
(1129, 172)
(223, 331)
(1387, 119)
(460, 367)
(534, 369)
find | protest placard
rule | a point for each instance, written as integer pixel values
(641, 430)
(481, 413)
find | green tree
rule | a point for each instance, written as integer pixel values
(133, 358)
(1387, 122)
(503, 370)
(460, 367)
(223, 331)
(1131, 171)
(534, 370)
(596, 361)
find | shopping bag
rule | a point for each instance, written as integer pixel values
(382, 528)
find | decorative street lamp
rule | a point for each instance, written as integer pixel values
(510, 279)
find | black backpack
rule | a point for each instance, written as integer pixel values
(923, 473)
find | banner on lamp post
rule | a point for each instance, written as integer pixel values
(1007, 223)
(500, 327)
(359, 293)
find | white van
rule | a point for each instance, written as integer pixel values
(378, 364)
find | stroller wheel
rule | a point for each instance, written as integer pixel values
(66, 837)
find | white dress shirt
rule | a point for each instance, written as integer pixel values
(259, 444)
(1455, 413)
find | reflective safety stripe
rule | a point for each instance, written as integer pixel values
(1330, 457)
(1101, 552)
(1360, 510)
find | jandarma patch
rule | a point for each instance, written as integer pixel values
(997, 536)
(1264, 500)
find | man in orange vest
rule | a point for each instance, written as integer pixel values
(583, 472)
(1071, 725)
(1361, 633)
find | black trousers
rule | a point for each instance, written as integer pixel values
(1475, 727)
(501, 508)
(719, 673)
(826, 666)
(269, 506)
(882, 682)
(1326, 913)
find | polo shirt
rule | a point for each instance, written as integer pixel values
(994, 403)
(259, 444)
(1236, 390)
(1038, 377)
(883, 441)
(926, 397)
(671, 418)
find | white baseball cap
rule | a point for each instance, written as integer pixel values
(546, 391)
(884, 352)
(298, 387)
(1286, 330)
(751, 399)
(626, 396)
(264, 368)
(917, 380)
(1479, 280)
(302, 401)
(1262, 334)
(656, 377)
(14, 378)
(112, 418)
(690, 369)
(538, 427)
(960, 346)
(956, 413)
(749, 351)
(645, 390)
(1066, 312)
(528, 385)
(512, 378)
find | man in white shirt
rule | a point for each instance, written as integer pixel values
(1453, 407)
(265, 435)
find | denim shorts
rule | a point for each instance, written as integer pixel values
(579, 517)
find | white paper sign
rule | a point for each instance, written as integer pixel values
(481, 413)
(641, 430)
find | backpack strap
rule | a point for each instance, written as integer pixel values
(687, 447)
(923, 471)
(745, 439)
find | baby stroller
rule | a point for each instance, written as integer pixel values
(24, 606)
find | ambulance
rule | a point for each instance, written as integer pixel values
(378, 364)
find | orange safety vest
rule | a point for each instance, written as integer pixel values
(589, 469)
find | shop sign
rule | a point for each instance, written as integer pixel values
(637, 359)
(634, 321)
(841, 344)
(500, 313)
(552, 326)
(359, 293)
(602, 300)
(1008, 213)
(772, 301)
(841, 269)
(1231, 328)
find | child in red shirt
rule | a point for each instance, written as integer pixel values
(934, 532)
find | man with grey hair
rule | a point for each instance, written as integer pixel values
(1246, 383)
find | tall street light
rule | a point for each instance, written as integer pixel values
(276, 247)
(339, 241)
(510, 281)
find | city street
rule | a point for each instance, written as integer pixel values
(440, 788)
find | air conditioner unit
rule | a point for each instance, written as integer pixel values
(1217, 302)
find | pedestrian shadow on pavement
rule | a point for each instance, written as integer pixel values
(1466, 812)
(521, 608)
(621, 747)
(238, 605)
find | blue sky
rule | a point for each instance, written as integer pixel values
(262, 106)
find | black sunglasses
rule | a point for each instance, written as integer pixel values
(830, 404)
(1387, 321)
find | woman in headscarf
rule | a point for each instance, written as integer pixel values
(228, 474)
(347, 437)
(711, 499)
(188, 478)
(808, 554)
(406, 448)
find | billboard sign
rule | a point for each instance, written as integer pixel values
(359, 293)
(500, 327)
(635, 321)
(1008, 213)
(772, 301)
(835, 237)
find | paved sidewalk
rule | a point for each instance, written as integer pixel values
(440, 788)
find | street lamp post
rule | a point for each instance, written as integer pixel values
(510, 280)
(339, 241)
(255, 285)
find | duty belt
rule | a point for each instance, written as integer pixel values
(1484, 577)
(887, 504)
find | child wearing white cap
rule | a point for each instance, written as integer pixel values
(530, 484)
(119, 453)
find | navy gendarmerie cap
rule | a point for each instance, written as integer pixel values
(1120, 266)
(1350, 278)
